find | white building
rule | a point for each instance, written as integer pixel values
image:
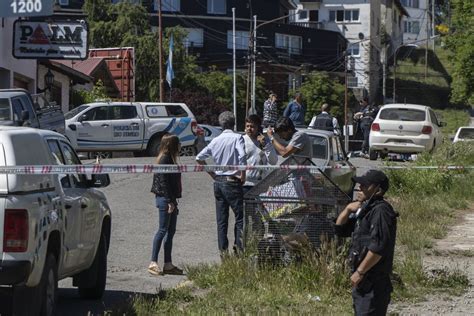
(416, 26)
(363, 23)
(14, 73)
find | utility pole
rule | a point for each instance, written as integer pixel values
(160, 51)
(234, 83)
(254, 64)
(426, 46)
(346, 120)
(433, 23)
(394, 95)
(384, 72)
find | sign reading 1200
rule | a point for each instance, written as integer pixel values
(26, 8)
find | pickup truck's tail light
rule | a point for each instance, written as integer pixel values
(15, 230)
(375, 127)
(426, 129)
(194, 127)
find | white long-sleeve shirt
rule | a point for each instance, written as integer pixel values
(256, 156)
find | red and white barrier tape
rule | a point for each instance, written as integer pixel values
(149, 168)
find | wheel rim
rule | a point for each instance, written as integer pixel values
(50, 293)
(187, 151)
(100, 155)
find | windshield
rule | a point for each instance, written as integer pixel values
(403, 114)
(320, 147)
(466, 133)
(5, 110)
(75, 111)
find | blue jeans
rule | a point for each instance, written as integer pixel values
(366, 133)
(229, 194)
(167, 228)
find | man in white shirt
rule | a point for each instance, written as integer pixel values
(299, 142)
(259, 151)
(227, 149)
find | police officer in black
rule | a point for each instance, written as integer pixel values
(324, 120)
(372, 222)
(366, 116)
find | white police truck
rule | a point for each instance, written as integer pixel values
(52, 226)
(130, 126)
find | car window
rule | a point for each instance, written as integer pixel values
(75, 111)
(17, 108)
(70, 158)
(320, 147)
(402, 114)
(58, 159)
(466, 133)
(175, 111)
(122, 112)
(207, 132)
(25, 102)
(96, 114)
(156, 111)
(5, 110)
(433, 117)
(337, 152)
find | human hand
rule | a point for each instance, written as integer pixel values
(270, 131)
(356, 278)
(171, 208)
(261, 139)
(353, 206)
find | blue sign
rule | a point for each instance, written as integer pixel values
(23, 8)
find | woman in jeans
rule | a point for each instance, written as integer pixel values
(167, 189)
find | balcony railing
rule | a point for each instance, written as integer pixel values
(309, 24)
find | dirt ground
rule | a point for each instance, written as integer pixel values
(455, 251)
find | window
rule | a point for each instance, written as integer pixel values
(292, 43)
(354, 49)
(122, 112)
(58, 159)
(320, 147)
(70, 158)
(168, 5)
(314, 15)
(155, 111)
(175, 111)
(338, 154)
(403, 114)
(344, 15)
(96, 114)
(411, 3)
(216, 6)
(433, 117)
(194, 38)
(63, 2)
(241, 40)
(412, 27)
(302, 14)
(5, 110)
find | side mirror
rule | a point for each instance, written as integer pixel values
(25, 115)
(442, 124)
(82, 118)
(99, 180)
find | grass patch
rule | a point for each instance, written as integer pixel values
(319, 284)
(453, 119)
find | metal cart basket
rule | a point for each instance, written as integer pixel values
(290, 211)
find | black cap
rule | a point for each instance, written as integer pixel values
(376, 177)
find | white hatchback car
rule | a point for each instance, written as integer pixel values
(404, 128)
(464, 134)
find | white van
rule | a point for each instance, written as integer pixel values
(53, 226)
(130, 126)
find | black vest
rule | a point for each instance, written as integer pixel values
(324, 121)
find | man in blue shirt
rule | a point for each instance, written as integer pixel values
(296, 110)
(227, 149)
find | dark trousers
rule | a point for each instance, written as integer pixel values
(372, 297)
(228, 194)
(167, 228)
(366, 132)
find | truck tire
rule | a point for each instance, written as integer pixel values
(154, 147)
(97, 272)
(99, 154)
(49, 287)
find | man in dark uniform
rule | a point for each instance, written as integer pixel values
(373, 224)
(366, 116)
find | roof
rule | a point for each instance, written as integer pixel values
(28, 130)
(313, 131)
(13, 92)
(58, 66)
(86, 66)
(405, 105)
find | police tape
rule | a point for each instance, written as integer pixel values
(155, 168)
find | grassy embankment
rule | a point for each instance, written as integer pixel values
(427, 201)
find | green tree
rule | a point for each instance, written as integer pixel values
(98, 92)
(461, 43)
(319, 88)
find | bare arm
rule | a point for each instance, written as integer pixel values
(369, 261)
(348, 210)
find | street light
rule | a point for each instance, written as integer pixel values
(49, 80)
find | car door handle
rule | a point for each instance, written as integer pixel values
(105, 125)
(134, 124)
(68, 206)
(83, 205)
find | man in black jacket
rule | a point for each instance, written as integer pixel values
(325, 121)
(373, 223)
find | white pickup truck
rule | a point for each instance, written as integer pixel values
(53, 226)
(130, 126)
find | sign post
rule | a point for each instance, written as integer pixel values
(22, 8)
